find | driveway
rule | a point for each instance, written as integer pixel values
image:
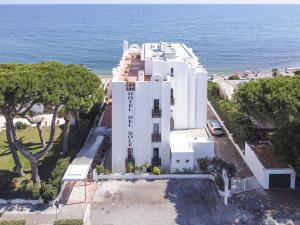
(226, 150)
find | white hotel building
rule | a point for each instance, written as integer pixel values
(159, 108)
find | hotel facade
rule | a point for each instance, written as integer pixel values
(159, 108)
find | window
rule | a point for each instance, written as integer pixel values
(130, 86)
(172, 96)
(156, 153)
(172, 72)
(156, 128)
(187, 161)
(156, 104)
(178, 161)
(130, 153)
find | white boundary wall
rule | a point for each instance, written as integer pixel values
(20, 201)
(261, 173)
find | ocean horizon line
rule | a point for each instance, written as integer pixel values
(161, 4)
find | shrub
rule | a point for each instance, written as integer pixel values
(100, 169)
(216, 165)
(156, 170)
(230, 168)
(234, 77)
(220, 182)
(20, 125)
(204, 164)
(59, 170)
(35, 191)
(69, 222)
(297, 72)
(13, 222)
(48, 192)
(24, 185)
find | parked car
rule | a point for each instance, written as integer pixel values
(215, 127)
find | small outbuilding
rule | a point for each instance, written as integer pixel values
(270, 170)
(187, 146)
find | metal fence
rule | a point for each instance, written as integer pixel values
(241, 185)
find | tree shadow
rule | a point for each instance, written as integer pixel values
(76, 140)
(196, 201)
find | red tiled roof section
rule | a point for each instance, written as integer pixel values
(267, 156)
(107, 117)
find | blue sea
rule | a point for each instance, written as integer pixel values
(226, 38)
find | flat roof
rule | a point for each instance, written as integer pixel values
(153, 50)
(267, 156)
(180, 140)
(80, 166)
(179, 143)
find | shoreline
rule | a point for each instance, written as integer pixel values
(107, 75)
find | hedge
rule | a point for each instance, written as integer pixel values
(237, 122)
(69, 222)
(13, 222)
(50, 189)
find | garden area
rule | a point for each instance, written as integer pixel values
(34, 159)
(51, 166)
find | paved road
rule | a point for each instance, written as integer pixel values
(226, 150)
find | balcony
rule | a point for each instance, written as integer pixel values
(129, 160)
(156, 137)
(172, 100)
(156, 113)
(156, 161)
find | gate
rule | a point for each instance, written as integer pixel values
(242, 185)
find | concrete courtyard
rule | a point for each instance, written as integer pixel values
(183, 202)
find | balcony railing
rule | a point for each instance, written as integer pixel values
(130, 160)
(156, 113)
(156, 161)
(156, 137)
(172, 100)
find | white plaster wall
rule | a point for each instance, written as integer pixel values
(201, 99)
(46, 122)
(181, 96)
(148, 67)
(159, 67)
(203, 148)
(255, 166)
(118, 145)
(182, 157)
(143, 125)
(165, 125)
(191, 98)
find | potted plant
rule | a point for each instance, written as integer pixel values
(156, 170)
(130, 167)
(100, 170)
(145, 167)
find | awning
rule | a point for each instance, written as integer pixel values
(76, 173)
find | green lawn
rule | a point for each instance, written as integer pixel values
(31, 140)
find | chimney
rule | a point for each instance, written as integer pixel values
(141, 74)
(125, 46)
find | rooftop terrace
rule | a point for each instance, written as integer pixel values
(130, 68)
